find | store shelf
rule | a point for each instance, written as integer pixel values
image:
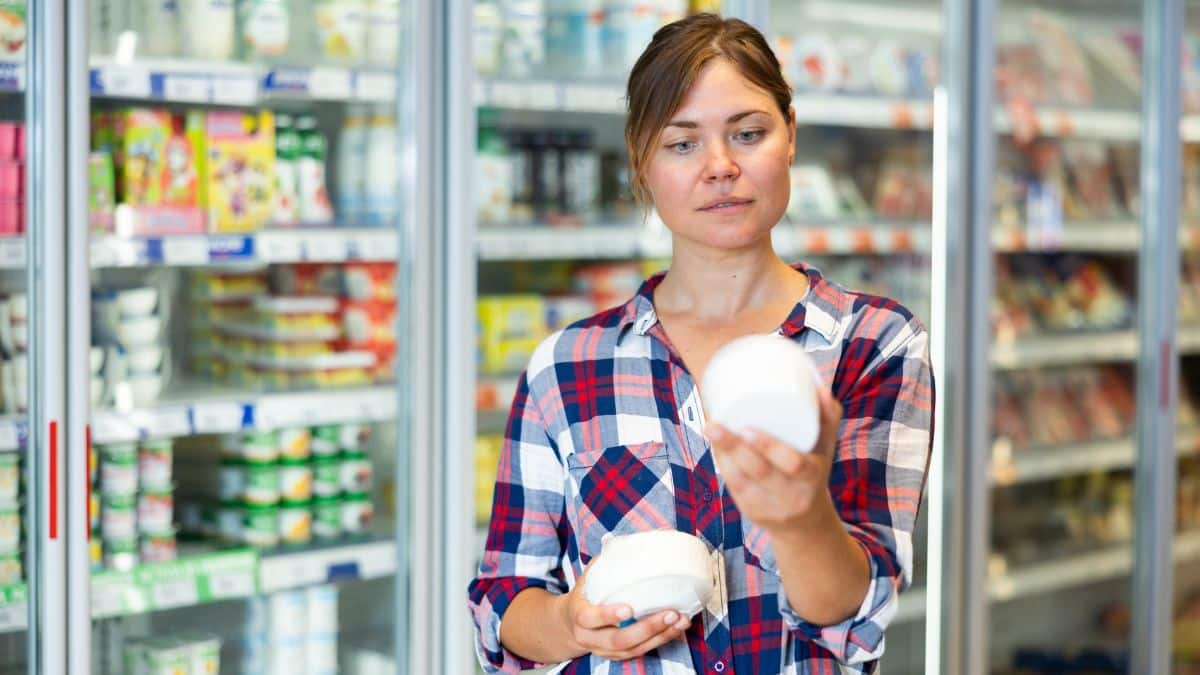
(232, 83)
(863, 111)
(214, 576)
(270, 246)
(1048, 577)
(211, 411)
(352, 562)
(1087, 237)
(621, 242)
(1098, 347)
(551, 95)
(1114, 125)
(188, 581)
(1009, 468)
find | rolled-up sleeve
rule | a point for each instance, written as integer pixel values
(876, 482)
(525, 535)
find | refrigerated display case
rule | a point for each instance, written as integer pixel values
(237, 238)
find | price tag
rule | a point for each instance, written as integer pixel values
(231, 585)
(817, 241)
(12, 252)
(326, 247)
(185, 250)
(508, 95)
(13, 617)
(339, 409)
(375, 86)
(279, 247)
(543, 96)
(176, 593)
(330, 83)
(217, 418)
(290, 411)
(113, 428)
(107, 601)
(375, 246)
(125, 82)
(188, 88)
(167, 422)
(235, 90)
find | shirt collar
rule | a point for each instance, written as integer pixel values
(821, 308)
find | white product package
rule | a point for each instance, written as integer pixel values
(651, 572)
(766, 383)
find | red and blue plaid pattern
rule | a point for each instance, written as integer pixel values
(605, 436)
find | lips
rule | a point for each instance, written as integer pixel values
(726, 204)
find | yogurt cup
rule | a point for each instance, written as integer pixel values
(357, 513)
(295, 523)
(121, 554)
(255, 446)
(96, 553)
(154, 464)
(10, 568)
(251, 482)
(10, 476)
(295, 481)
(156, 512)
(118, 518)
(10, 528)
(327, 518)
(260, 526)
(353, 436)
(159, 547)
(94, 510)
(119, 469)
(294, 444)
(356, 472)
(327, 477)
(325, 440)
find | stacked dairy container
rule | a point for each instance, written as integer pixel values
(133, 504)
(292, 633)
(176, 655)
(10, 518)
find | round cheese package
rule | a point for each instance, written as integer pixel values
(765, 383)
(651, 572)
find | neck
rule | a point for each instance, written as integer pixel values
(718, 284)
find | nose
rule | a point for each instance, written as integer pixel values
(719, 164)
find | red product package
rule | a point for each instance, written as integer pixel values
(307, 279)
(369, 281)
(369, 322)
(12, 141)
(12, 180)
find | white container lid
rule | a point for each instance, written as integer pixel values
(766, 383)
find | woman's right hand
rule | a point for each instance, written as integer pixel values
(594, 628)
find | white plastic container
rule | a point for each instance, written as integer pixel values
(208, 29)
(342, 30)
(651, 572)
(322, 605)
(133, 302)
(766, 383)
(382, 179)
(351, 159)
(383, 33)
(287, 617)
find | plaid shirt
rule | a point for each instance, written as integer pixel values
(605, 436)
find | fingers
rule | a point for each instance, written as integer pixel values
(648, 634)
(596, 617)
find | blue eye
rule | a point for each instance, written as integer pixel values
(683, 147)
(749, 136)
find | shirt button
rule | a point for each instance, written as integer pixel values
(719, 666)
(707, 496)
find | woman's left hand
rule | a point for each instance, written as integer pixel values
(774, 485)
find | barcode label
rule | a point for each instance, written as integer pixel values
(330, 83)
(129, 81)
(216, 418)
(278, 248)
(185, 250)
(235, 90)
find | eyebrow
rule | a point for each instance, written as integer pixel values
(688, 124)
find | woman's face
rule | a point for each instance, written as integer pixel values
(719, 175)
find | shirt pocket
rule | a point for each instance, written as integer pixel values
(619, 490)
(757, 545)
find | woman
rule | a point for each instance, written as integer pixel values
(607, 434)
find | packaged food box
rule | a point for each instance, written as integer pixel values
(10, 568)
(10, 476)
(236, 163)
(369, 322)
(10, 528)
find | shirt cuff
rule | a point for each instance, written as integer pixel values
(858, 639)
(493, 657)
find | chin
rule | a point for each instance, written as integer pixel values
(735, 236)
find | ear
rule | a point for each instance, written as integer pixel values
(791, 118)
